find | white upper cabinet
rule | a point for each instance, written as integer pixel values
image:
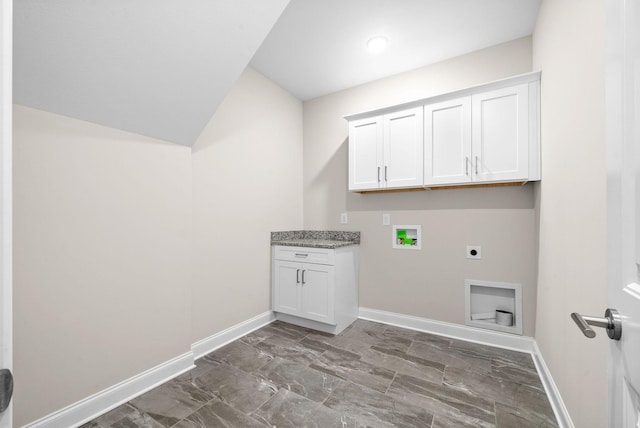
(481, 138)
(385, 152)
(481, 135)
(403, 149)
(365, 153)
(447, 142)
(500, 136)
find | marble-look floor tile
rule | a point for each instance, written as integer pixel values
(442, 355)
(418, 336)
(287, 409)
(289, 331)
(233, 386)
(336, 343)
(501, 390)
(481, 384)
(139, 420)
(404, 363)
(112, 417)
(534, 400)
(393, 343)
(371, 375)
(361, 332)
(279, 346)
(440, 399)
(218, 414)
(516, 373)
(125, 416)
(442, 421)
(171, 401)
(375, 409)
(519, 417)
(303, 380)
(506, 355)
(344, 365)
(255, 337)
(240, 355)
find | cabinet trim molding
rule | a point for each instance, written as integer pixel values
(471, 90)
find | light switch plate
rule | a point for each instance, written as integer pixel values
(344, 218)
(474, 252)
(386, 219)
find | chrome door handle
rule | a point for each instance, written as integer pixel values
(611, 322)
(378, 174)
(303, 271)
(476, 165)
(385, 173)
(466, 165)
(297, 276)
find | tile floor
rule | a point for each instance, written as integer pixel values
(371, 375)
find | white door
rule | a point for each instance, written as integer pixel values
(365, 154)
(403, 148)
(500, 136)
(447, 142)
(623, 208)
(6, 25)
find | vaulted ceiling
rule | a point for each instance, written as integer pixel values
(154, 67)
(161, 68)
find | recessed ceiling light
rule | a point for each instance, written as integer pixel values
(377, 44)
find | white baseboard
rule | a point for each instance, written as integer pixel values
(457, 331)
(211, 343)
(472, 334)
(562, 415)
(91, 407)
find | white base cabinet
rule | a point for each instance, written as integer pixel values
(315, 287)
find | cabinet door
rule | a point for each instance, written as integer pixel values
(286, 287)
(500, 137)
(403, 148)
(365, 153)
(447, 142)
(318, 293)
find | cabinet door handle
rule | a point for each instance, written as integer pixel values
(303, 271)
(385, 173)
(297, 276)
(302, 255)
(466, 165)
(378, 174)
(477, 165)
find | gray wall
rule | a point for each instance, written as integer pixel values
(247, 181)
(569, 48)
(102, 244)
(129, 249)
(427, 283)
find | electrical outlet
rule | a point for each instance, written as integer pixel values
(474, 252)
(386, 219)
(344, 218)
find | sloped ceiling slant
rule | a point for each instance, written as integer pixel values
(159, 68)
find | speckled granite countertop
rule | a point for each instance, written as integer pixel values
(315, 238)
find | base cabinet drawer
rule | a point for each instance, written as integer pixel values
(304, 254)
